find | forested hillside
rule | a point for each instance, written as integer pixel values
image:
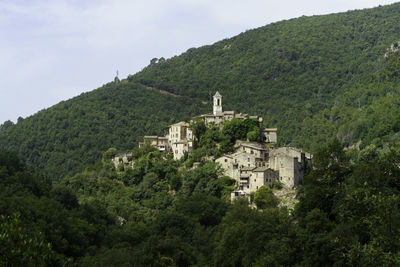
(160, 213)
(312, 77)
(72, 134)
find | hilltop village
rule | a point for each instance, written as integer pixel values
(252, 164)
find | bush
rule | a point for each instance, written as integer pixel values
(277, 185)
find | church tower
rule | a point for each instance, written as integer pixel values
(217, 103)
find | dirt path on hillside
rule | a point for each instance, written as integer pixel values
(162, 91)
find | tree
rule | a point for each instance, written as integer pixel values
(264, 198)
(109, 154)
(20, 248)
(198, 128)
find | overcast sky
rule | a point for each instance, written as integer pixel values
(52, 50)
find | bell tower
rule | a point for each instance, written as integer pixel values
(217, 103)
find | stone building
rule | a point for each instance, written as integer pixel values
(159, 142)
(269, 135)
(248, 154)
(180, 139)
(290, 163)
(124, 158)
(255, 164)
(218, 116)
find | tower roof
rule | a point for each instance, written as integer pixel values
(217, 94)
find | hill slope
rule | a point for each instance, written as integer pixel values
(312, 77)
(72, 134)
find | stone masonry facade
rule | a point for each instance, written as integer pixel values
(253, 164)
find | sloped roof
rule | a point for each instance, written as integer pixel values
(262, 169)
(270, 130)
(255, 145)
(217, 94)
(182, 123)
(247, 168)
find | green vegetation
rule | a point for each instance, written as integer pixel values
(67, 137)
(314, 78)
(160, 213)
(264, 198)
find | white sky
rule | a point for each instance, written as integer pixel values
(52, 50)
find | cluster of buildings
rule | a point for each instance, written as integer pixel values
(253, 164)
(180, 137)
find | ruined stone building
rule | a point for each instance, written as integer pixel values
(122, 158)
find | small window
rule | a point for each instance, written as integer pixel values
(255, 180)
(247, 186)
(226, 160)
(248, 159)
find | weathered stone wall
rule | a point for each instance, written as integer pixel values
(227, 164)
(179, 149)
(288, 161)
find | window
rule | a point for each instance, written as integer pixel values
(226, 160)
(247, 186)
(254, 180)
(248, 159)
(217, 102)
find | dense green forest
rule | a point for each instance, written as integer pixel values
(72, 134)
(312, 77)
(331, 84)
(160, 213)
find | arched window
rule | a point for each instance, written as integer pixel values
(217, 102)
